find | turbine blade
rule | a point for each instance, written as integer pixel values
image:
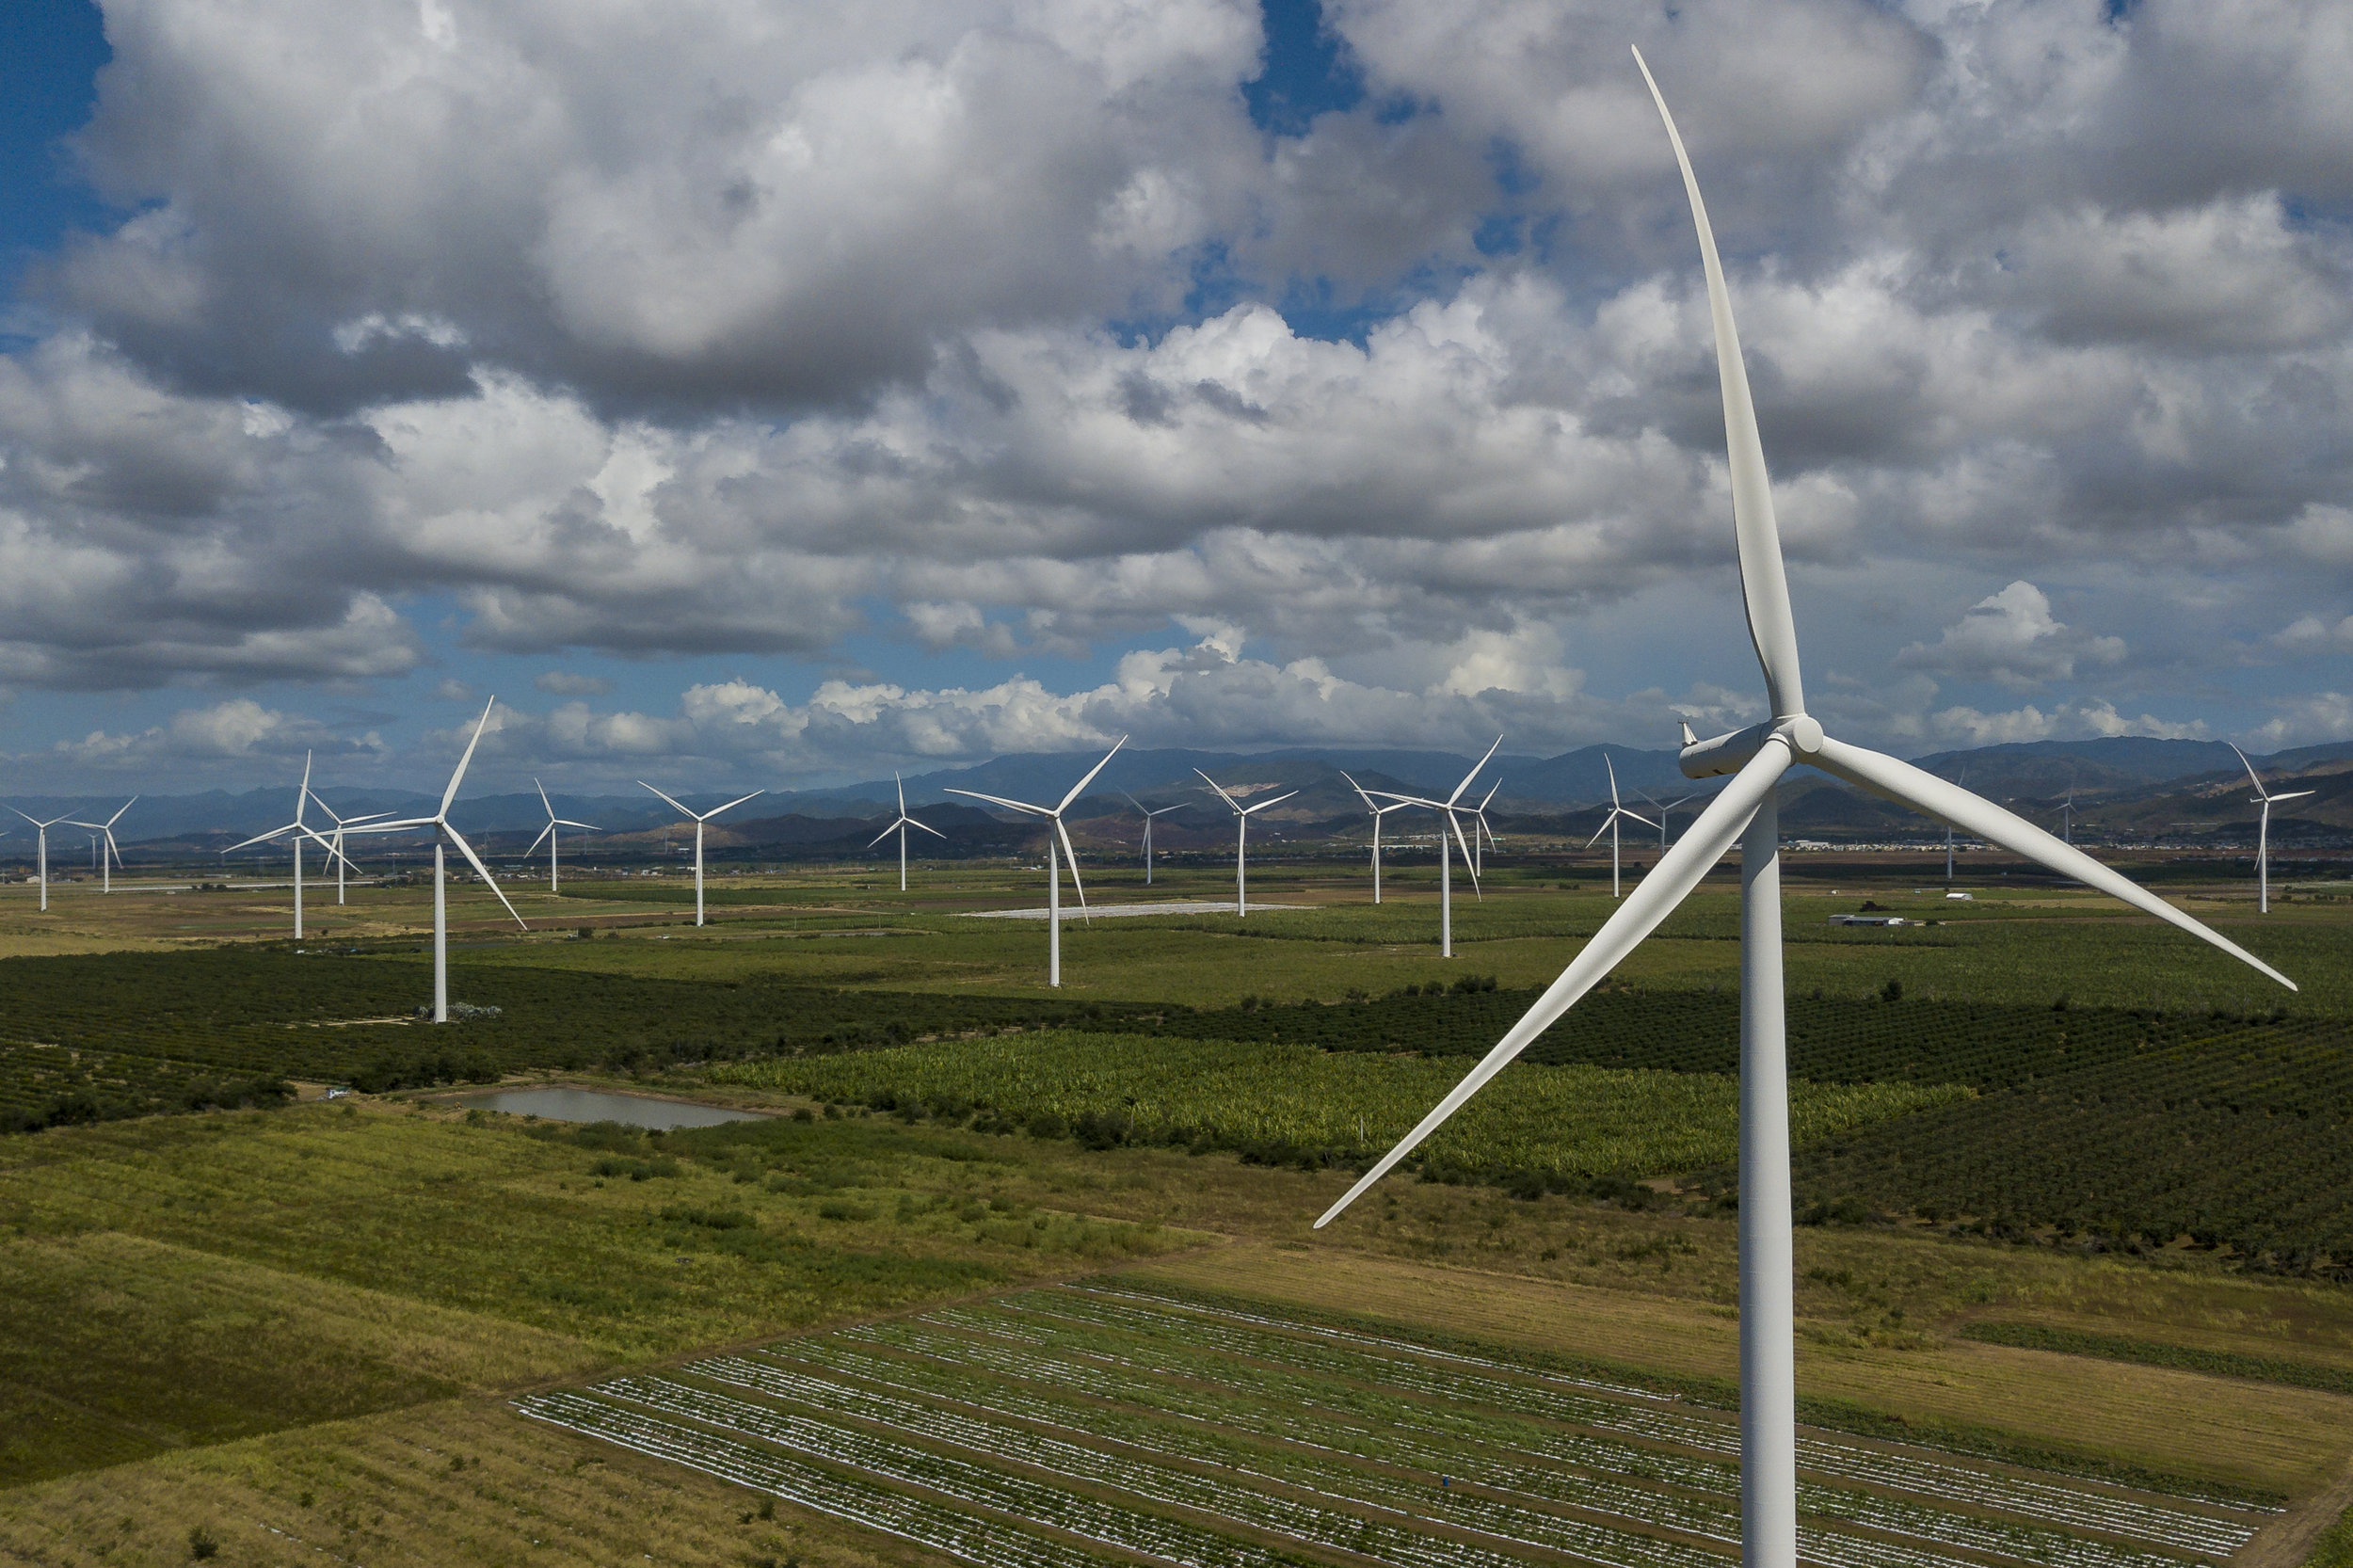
(2250, 770)
(1764, 582)
(1213, 784)
(884, 834)
(1637, 816)
(543, 835)
(1078, 789)
(1276, 801)
(731, 805)
(643, 785)
(926, 827)
(1885, 777)
(1602, 829)
(1022, 806)
(1653, 900)
(2297, 795)
(546, 803)
(454, 780)
(903, 791)
(480, 870)
(1474, 773)
(302, 794)
(1070, 853)
(1613, 780)
(567, 822)
(135, 800)
(1468, 864)
(273, 834)
(1360, 794)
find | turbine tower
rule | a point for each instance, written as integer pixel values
(548, 832)
(1149, 813)
(1241, 835)
(700, 819)
(1963, 779)
(297, 830)
(438, 823)
(1053, 873)
(2262, 834)
(1450, 809)
(41, 830)
(1609, 825)
(1755, 758)
(103, 832)
(1378, 812)
(900, 827)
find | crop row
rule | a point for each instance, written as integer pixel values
(1544, 1395)
(1576, 1121)
(2238, 1141)
(972, 1481)
(1490, 1452)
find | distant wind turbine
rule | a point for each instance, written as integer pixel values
(1149, 813)
(1744, 810)
(1053, 874)
(112, 855)
(1609, 825)
(1662, 807)
(41, 830)
(2262, 834)
(1241, 837)
(1378, 812)
(297, 830)
(900, 827)
(335, 840)
(2066, 810)
(548, 832)
(438, 823)
(1485, 832)
(701, 818)
(1450, 809)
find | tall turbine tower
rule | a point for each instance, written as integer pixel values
(699, 820)
(900, 827)
(1450, 809)
(111, 855)
(1149, 813)
(2262, 834)
(1241, 837)
(442, 832)
(1755, 758)
(548, 832)
(41, 830)
(1378, 813)
(1053, 874)
(1609, 825)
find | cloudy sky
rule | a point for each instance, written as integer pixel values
(764, 392)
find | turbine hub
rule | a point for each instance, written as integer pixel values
(1804, 734)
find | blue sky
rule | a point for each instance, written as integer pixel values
(820, 394)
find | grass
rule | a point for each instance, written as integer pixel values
(2146, 1352)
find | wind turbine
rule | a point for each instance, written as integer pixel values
(1662, 807)
(1744, 810)
(1609, 825)
(2067, 808)
(1378, 812)
(1054, 872)
(105, 832)
(1450, 807)
(1148, 814)
(548, 832)
(1478, 817)
(438, 823)
(2263, 835)
(699, 820)
(1241, 835)
(900, 827)
(297, 830)
(42, 830)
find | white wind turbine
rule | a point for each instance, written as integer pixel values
(1450, 809)
(112, 856)
(335, 840)
(2066, 810)
(2263, 835)
(438, 823)
(1149, 813)
(41, 830)
(900, 827)
(1378, 812)
(1755, 758)
(1485, 832)
(1241, 835)
(1609, 825)
(1662, 807)
(548, 832)
(700, 819)
(296, 830)
(1053, 873)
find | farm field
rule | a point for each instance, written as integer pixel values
(221, 1310)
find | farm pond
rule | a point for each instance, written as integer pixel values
(592, 1105)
